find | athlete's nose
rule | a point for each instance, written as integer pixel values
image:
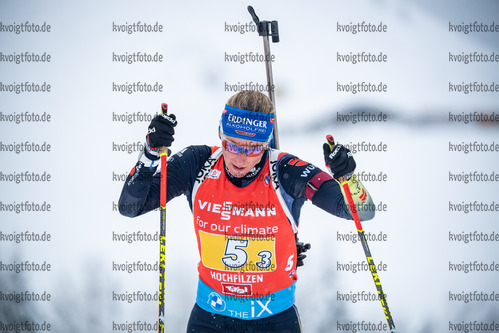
(241, 157)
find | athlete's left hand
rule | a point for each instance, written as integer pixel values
(339, 160)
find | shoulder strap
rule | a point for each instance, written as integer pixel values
(273, 159)
(205, 170)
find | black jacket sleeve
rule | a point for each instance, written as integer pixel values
(302, 180)
(141, 190)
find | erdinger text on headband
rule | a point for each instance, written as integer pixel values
(247, 125)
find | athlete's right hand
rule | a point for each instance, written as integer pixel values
(160, 133)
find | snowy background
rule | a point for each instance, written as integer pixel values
(82, 192)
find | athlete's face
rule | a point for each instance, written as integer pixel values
(241, 155)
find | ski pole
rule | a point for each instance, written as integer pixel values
(162, 237)
(266, 29)
(372, 266)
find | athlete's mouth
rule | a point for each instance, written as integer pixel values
(237, 168)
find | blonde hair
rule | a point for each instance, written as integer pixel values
(251, 100)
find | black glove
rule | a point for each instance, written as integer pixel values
(160, 133)
(300, 249)
(340, 160)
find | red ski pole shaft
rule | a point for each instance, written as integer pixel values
(162, 237)
(370, 261)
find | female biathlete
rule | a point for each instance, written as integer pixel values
(246, 200)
